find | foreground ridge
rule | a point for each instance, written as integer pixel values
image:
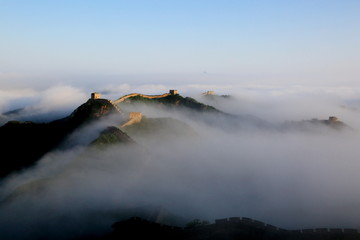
(227, 228)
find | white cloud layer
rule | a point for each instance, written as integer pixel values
(292, 179)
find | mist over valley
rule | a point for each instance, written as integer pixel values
(180, 159)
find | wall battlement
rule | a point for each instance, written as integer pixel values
(123, 98)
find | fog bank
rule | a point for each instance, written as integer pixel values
(291, 179)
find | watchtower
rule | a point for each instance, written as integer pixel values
(209, 93)
(95, 95)
(173, 92)
(333, 119)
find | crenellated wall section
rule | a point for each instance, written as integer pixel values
(123, 98)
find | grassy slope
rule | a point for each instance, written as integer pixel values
(175, 101)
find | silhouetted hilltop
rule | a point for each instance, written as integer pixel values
(224, 229)
(23, 143)
(332, 122)
(93, 109)
(175, 100)
(110, 136)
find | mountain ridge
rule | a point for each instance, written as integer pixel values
(36, 139)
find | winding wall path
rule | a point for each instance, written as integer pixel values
(123, 98)
(115, 106)
(134, 117)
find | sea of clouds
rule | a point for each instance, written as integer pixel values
(292, 179)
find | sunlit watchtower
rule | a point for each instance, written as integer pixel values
(95, 95)
(173, 92)
(333, 119)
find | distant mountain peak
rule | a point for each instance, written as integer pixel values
(112, 135)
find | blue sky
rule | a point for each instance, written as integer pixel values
(260, 41)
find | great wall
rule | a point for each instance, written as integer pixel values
(235, 225)
(115, 105)
(96, 95)
(134, 117)
(123, 98)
